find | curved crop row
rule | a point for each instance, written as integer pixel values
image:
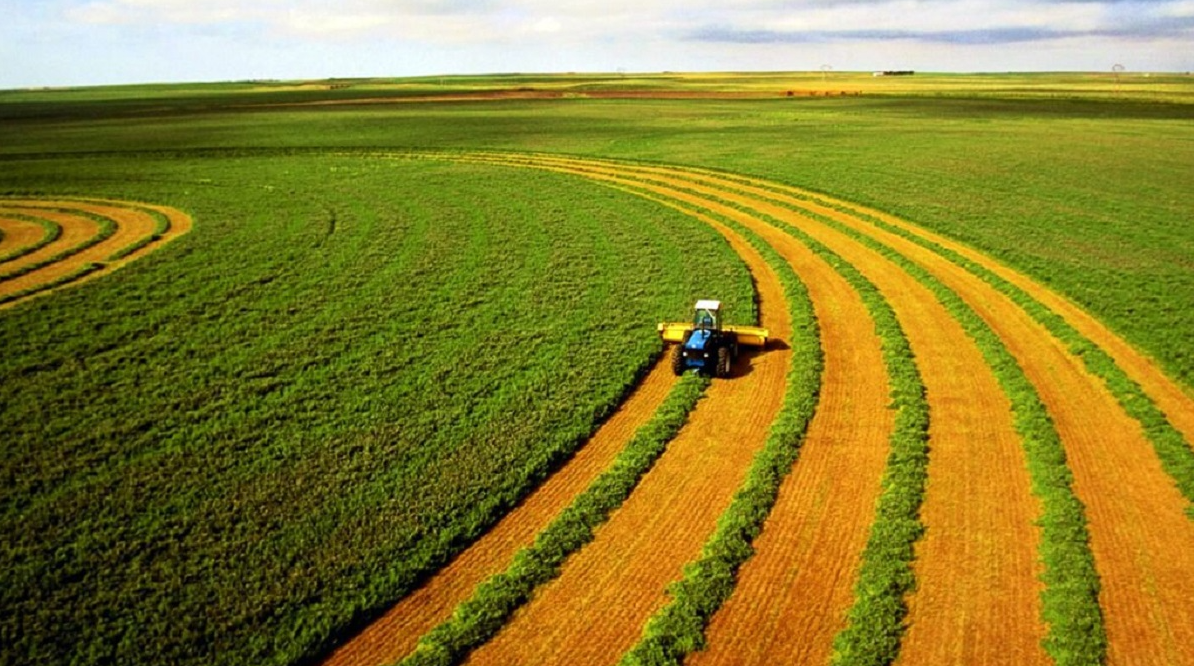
(84, 238)
(1173, 447)
(50, 232)
(1127, 511)
(1070, 598)
(1078, 626)
(678, 627)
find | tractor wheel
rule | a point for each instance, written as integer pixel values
(678, 360)
(723, 362)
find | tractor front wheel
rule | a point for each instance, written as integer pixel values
(723, 362)
(678, 360)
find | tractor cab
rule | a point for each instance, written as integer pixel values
(707, 316)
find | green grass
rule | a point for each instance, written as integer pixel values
(223, 456)
(1085, 192)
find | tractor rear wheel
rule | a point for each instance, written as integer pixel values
(723, 362)
(678, 360)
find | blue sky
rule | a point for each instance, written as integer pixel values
(80, 42)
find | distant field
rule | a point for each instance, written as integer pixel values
(404, 303)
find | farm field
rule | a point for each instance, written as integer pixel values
(289, 381)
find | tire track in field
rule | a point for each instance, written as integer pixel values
(595, 610)
(77, 255)
(971, 434)
(395, 634)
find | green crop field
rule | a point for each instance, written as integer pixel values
(251, 442)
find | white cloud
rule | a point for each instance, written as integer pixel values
(548, 24)
(157, 11)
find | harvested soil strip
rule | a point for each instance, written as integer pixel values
(134, 225)
(595, 610)
(395, 634)
(19, 237)
(978, 507)
(792, 596)
(76, 231)
(1139, 533)
(1176, 403)
(1134, 509)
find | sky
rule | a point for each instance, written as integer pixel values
(95, 42)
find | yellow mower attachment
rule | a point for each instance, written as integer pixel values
(706, 345)
(747, 336)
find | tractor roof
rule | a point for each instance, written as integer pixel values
(708, 305)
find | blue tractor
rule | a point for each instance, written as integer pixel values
(706, 345)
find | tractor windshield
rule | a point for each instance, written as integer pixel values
(705, 319)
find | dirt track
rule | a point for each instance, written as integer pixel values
(978, 597)
(70, 251)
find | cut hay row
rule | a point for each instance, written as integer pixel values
(970, 434)
(23, 235)
(79, 232)
(93, 238)
(1132, 506)
(395, 635)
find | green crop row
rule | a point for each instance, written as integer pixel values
(885, 577)
(1175, 453)
(1070, 600)
(107, 228)
(479, 618)
(678, 628)
(53, 232)
(224, 456)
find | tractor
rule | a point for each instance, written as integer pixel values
(707, 345)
